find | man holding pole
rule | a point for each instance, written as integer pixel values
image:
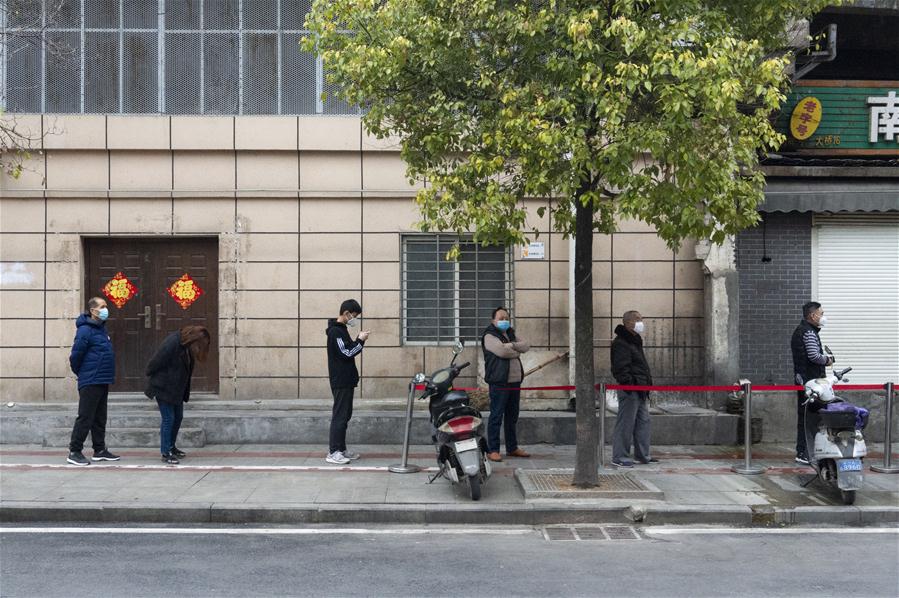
(503, 373)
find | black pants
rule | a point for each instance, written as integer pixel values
(504, 407)
(340, 417)
(91, 418)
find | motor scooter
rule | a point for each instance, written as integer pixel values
(457, 428)
(833, 427)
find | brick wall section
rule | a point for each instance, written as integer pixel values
(772, 293)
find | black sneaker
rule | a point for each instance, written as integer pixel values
(76, 458)
(802, 459)
(104, 455)
(178, 452)
(623, 464)
(648, 461)
(170, 459)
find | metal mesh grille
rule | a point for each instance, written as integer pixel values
(62, 82)
(218, 57)
(23, 81)
(140, 85)
(298, 79)
(221, 73)
(443, 300)
(260, 55)
(101, 72)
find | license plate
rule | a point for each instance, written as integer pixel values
(467, 445)
(850, 465)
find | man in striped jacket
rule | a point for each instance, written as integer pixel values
(809, 362)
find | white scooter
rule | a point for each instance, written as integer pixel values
(836, 436)
(458, 428)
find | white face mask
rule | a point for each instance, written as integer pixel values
(822, 321)
(352, 322)
(639, 327)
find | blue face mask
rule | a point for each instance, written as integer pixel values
(503, 325)
(103, 313)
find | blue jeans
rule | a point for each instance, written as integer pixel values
(170, 424)
(504, 405)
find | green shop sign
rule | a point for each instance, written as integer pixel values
(842, 117)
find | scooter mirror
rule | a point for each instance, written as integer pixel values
(457, 348)
(828, 351)
(419, 378)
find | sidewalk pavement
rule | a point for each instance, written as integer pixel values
(292, 484)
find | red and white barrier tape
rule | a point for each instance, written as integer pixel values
(679, 388)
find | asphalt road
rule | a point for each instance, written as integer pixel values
(463, 561)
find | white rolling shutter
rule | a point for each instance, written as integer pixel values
(855, 276)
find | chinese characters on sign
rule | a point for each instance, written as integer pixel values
(884, 117)
(185, 291)
(533, 251)
(119, 290)
(842, 118)
(806, 118)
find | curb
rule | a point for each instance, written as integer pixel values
(847, 515)
(424, 514)
(502, 514)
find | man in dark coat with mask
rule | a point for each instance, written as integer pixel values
(629, 366)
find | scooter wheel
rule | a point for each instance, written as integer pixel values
(848, 496)
(474, 486)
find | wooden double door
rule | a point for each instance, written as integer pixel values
(147, 316)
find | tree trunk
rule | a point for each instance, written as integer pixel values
(585, 469)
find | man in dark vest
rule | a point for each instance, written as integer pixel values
(809, 362)
(503, 373)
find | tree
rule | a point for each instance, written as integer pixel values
(650, 109)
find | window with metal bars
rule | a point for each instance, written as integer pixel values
(448, 300)
(161, 56)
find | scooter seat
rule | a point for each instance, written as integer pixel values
(837, 420)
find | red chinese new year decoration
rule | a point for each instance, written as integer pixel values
(119, 290)
(185, 291)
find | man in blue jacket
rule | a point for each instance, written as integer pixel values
(93, 361)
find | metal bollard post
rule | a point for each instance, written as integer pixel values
(887, 466)
(601, 445)
(405, 467)
(748, 468)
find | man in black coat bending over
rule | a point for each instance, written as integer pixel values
(344, 376)
(629, 366)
